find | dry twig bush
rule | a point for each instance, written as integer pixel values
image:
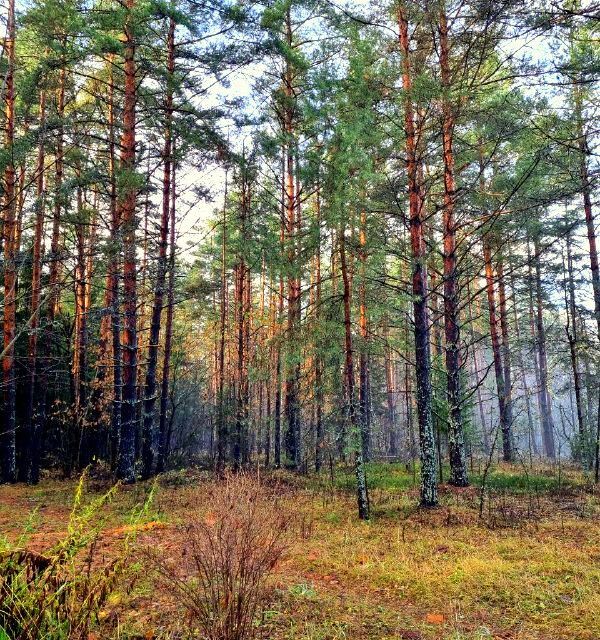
(230, 551)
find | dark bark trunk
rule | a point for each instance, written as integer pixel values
(419, 278)
(32, 414)
(363, 394)
(456, 437)
(586, 191)
(292, 382)
(545, 402)
(222, 435)
(573, 339)
(150, 390)
(504, 409)
(320, 434)
(165, 427)
(354, 423)
(506, 353)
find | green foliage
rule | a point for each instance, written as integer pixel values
(57, 594)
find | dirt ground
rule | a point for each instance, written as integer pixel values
(520, 561)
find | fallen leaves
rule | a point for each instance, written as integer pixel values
(434, 618)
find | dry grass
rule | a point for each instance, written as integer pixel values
(529, 569)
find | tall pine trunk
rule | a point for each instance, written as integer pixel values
(363, 394)
(292, 382)
(505, 333)
(354, 422)
(573, 339)
(419, 278)
(8, 462)
(32, 412)
(127, 205)
(586, 191)
(504, 409)
(456, 437)
(148, 435)
(164, 426)
(545, 401)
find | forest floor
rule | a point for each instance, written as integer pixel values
(521, 563)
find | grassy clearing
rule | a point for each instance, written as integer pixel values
(520, 561)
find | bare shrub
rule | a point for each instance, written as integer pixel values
(229, 552)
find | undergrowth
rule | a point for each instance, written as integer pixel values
(57, 593)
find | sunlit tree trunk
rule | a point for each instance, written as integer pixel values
(127, 206)
(8, 436)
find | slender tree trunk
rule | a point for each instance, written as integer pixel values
(389, 392)
(320, 434)
(532, 331)
(222, 437)
(164, 426)
(32, 413)
(505, 417)
(573, 339)
(150, 390)
(456, 437)
(476, 370)
(127, 205)
(355, 426)
(112, 294)
(533, 449)
(292, 383)
(363, 393)
(79, 364)
(586, 191)
(421, 316)
(242, 281)
(8, 463)
(506, 353)
(545, 401)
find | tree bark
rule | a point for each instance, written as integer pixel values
(355, 426)
(429, 496)
(505, 350)
(164, 427)
(127, 205)
(573, 339)
(150, 391)
(505, 415)
(363, 394)
(545, 401)
(456, 437)
(292, 383)
(8, 437)
(32, 414)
